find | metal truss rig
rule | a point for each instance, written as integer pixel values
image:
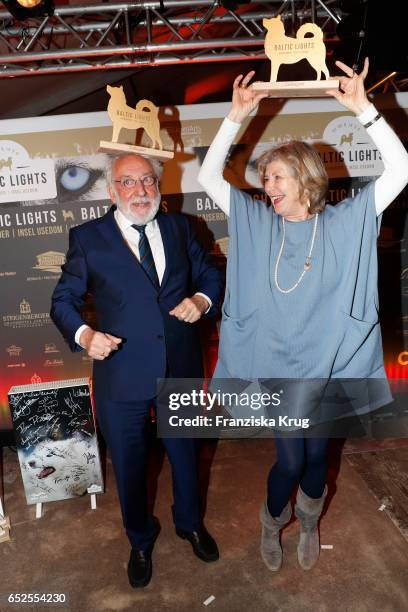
(143, 33)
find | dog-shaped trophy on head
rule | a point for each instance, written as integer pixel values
(282, 49)
(145, 115)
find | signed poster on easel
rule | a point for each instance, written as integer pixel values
(56, 440)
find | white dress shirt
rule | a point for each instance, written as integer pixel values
(153, 234)
(132, 237)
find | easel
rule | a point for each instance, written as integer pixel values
(39, 506)
(4, 525)
(77, 454)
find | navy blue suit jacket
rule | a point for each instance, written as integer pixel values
(129, 306)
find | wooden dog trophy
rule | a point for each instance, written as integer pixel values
(144, 115)
(282, 49)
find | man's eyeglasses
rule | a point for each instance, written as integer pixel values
(127, 182)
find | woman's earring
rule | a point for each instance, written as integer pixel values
(308, 203)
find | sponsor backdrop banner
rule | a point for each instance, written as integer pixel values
(51, 179)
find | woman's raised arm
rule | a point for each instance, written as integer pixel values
(394, 157)
(244, 101)
(352, 95)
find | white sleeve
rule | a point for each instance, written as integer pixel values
(78, 334)
(206, 298)
(394, 156)
(211, 173)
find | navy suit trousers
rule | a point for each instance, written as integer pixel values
(123, 425)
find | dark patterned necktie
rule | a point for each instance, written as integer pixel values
(146, 256)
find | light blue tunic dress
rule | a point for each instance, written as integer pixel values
(328, 327)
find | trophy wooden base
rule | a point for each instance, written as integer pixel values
(118, 147)
(296, 89)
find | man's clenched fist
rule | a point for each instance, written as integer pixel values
(190, 309)
(97, 344)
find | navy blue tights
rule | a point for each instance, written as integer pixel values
(300, 460)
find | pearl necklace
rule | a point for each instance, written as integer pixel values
(308, 261)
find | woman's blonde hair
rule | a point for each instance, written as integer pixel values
(306, 167)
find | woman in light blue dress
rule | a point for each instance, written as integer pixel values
(301, 299)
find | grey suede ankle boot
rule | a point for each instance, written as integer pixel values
(308, 511)
(271, 550)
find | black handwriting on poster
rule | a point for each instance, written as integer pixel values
(54, 414)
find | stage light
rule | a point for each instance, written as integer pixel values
(29, 3)
(24, 9)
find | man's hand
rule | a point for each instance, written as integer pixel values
(190, 309)
(97, 344)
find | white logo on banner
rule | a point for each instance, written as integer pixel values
(23, 178)
(348, 149)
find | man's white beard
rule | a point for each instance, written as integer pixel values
(145, 215)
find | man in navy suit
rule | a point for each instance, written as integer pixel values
(140, 266)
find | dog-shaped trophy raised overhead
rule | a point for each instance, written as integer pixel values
(282, 49)
(145, 115)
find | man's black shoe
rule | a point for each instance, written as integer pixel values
(204, 546)
(139, 568)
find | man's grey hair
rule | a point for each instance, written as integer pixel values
(112, 159)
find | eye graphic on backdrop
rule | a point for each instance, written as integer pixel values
(78, 180)
(75, 178)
